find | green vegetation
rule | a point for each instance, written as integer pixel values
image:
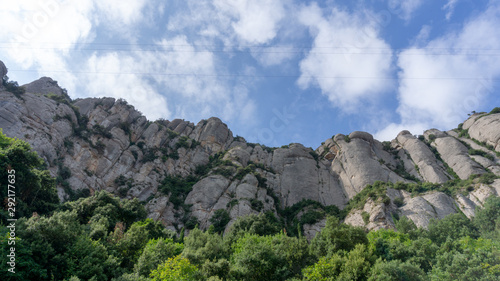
(34, 188)
(311, 212)
(13, 87)
(219, 220)
(481, 153)
(100, 130)
(177, 188)
(103, 237)
(495, 110)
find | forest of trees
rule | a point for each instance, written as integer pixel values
(103, 237)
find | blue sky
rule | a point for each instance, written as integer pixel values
(277, 71)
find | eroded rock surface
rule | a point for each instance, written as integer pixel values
(105, 144)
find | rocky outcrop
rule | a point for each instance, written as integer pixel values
(105, 144)
(484, 128)
(429, 168)
(45, 86)
(360, 161)
(3, 70)
(300, 176)
(454, 153)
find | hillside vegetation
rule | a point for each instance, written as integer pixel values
(103, 237)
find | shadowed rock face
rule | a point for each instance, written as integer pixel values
(3, 70)
(108, 145)
(44, 86)
(429, 168)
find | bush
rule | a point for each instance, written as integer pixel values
(311, 217)
(399, 201)
(495, 110)
(182, 142)
(366, 217)
(396, 270)
(174, 269)
(219, 220)
(13, 87)
(481, 153)
(156, 251)
(178, 188)
(256, 204)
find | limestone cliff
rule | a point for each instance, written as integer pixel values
(185, 172)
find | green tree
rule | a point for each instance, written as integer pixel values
(105, 205)
(175, 269)
(487, 219)
(335, 237)
(454, 226)
(155, 252)
(354, 265)
(23, 168)
(467, 259)
(276, 257)
(50, 238)
(204, 245)
(405, 225)
(396, 270)
(90, 259)
(261, 224)
(26, 268)
(135, 239)
(220, 219)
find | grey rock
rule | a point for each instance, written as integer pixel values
(3, 70)
(430, 169)
(45, 86)
(357, 165)
(485, 129)
(310, 230)
(300, 176)
(455, 154)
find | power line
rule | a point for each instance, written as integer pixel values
(277, 49)
(283, 46)
(252, 76)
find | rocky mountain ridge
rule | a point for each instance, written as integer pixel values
(187, 173)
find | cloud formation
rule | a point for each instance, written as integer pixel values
(253, 21)
(442, 81)
(450, 8)
(404, 8)
(348, 61)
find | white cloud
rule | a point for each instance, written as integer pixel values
(248, 25)
(186, 76)
(253, 21)
(450, 8)
(43, 34)
(178, 72)
(450, 76)
(193, 77)
(392, 130)
(404, 8)
(118, 76)
(348, 61)
(122, 12)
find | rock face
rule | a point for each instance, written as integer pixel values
(44, 86)
(106, 144)
(361, 161)
(429, 168)
(454, 153)
(3, 70)
(484, 128)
